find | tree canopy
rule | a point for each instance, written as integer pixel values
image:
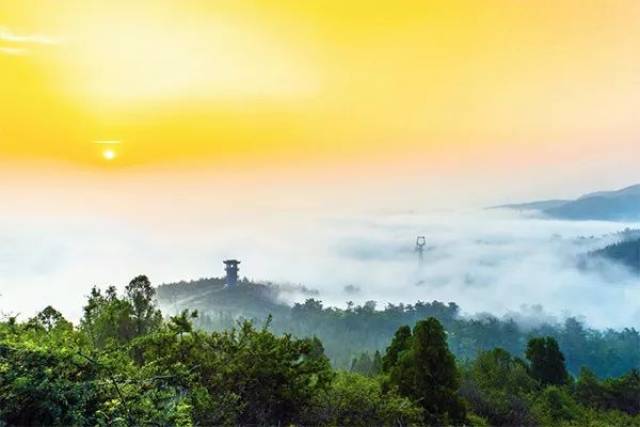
(125, 364)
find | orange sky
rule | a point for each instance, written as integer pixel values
(440, 86)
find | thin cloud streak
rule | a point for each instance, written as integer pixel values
(19, 42)
(7, 35)
(14, 51)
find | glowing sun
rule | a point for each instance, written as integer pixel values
(109, 154)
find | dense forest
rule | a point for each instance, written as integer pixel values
(625, 252)
(346, 333)
(125, 363)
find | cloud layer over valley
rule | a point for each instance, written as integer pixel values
(485, 261)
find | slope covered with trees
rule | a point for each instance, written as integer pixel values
(625, 252)
(359, 331)
(125, 364)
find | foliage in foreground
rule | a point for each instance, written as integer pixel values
(126, 365)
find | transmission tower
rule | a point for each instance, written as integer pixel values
(421, 241)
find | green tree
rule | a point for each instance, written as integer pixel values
(547, 361)
(426, 372)
(50, 319)
(401, 342)
(555, 405)
(247, 376)
(497, 386)
(356, 400)
(145, 314)
(626, 390)
(437, 378)
(43, 379)
(619, 394)
(589, 391)
(107, 319)
(113, 320)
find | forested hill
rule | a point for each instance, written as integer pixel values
(626, 252)
(347, 333)
(248, 299)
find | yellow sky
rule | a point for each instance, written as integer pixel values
(306, 82)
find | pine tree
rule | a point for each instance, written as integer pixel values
(547, 361)
(437, 378)
(425, 371)
(401, 342)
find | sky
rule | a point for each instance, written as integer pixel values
(160, 114)
(428, 89)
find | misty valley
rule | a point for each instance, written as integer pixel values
(230, 350)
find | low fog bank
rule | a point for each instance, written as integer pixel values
(493, 262)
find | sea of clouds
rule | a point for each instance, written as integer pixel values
(492, 261)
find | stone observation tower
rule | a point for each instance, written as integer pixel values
(231, 267)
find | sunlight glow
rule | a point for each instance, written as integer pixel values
(451, 85)
(107, 142)
(147, 60)
(109, 154)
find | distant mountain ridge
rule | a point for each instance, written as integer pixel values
(539, 205)
(617, 205)
(631, 190)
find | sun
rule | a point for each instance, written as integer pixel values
(108, 149)
(109, 154)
